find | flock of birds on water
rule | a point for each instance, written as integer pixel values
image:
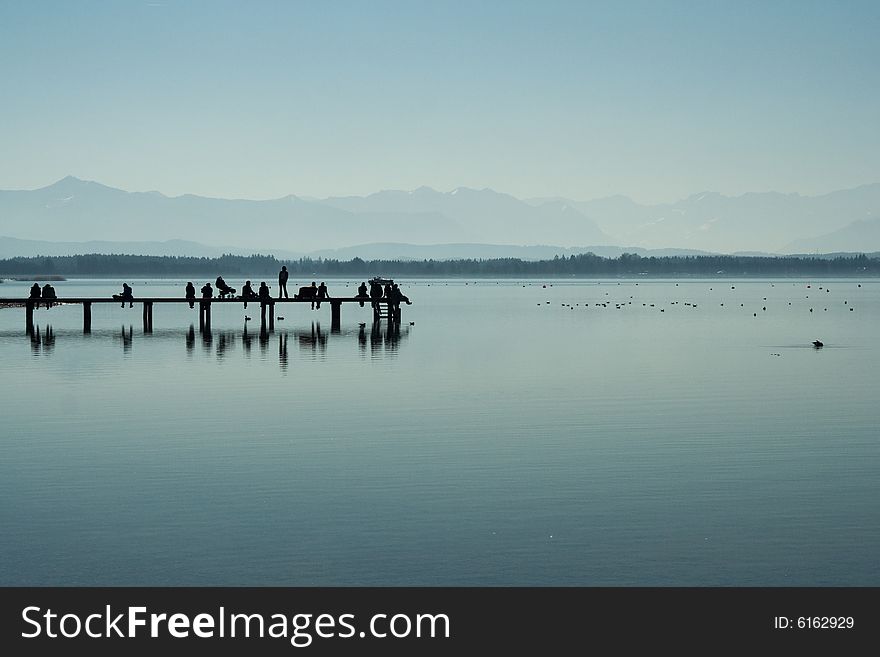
(620, 305)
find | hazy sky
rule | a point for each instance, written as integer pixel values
(655, 100)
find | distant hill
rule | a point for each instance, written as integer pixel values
(11, 247)
(74, 210)
(476, 251)
(762, 222)
(78, 210)
(854, 237)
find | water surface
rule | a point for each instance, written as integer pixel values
(513, 434)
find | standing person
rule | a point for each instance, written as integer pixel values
(191, 293)
(387, 290)
(375, 294)
(282, 282)
(322, 293)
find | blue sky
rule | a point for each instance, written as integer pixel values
(654, 100)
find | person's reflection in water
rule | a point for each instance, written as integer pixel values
(190, 339)
(207, 339)
(375, 339)
(35, 339)
(282, 351)
(313, 339)
(392, 336)
(127, 338)
(246, 340)
(223, 343)
(264, 340)
(48, 339)
(362, 339)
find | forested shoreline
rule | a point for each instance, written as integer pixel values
(584, 266)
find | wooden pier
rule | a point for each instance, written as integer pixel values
(381, 309)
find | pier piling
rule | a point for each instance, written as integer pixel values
(335, 314)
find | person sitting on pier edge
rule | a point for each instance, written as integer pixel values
(397, 296)
(283, 275)
(322, 292)
(191, 293)
(312, 293)
(223, 288)
(362, 292)
(207, 291)
(35, 291)
(247, 292)
(127, 295)
(264, 294)
(48, 293)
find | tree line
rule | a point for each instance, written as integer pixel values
(582, 265)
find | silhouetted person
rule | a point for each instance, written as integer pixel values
(322, 293)
(282, 282)
(191, 293)
(313, 293)
(48, 294)
(127, 295)
(222, 288)
(362, 292)
(207, 291)
(387, 290)
(375, 294)
(264, 293)
(36, 291)
(247, 292)
(399, 296)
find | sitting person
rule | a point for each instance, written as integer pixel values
(362, 292)
(48, 293)
(223, 288)
(399, 296)
(322, 293)
(207, 291)
(35, 291)
(127, 295)
(264, 294)
(191, 293)
(247, 292)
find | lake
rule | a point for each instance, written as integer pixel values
(614, 433)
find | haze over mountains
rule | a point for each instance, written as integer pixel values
(75, 211)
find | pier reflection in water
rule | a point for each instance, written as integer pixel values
(376, 341)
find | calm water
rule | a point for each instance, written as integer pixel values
(500, 439)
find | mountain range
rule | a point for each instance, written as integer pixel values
(79, 212)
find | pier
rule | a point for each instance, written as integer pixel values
(383, 308)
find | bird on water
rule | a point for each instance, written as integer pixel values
(818, 344)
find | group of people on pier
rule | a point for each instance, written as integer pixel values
(379, 290)
(46, 293)
(390, 293)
